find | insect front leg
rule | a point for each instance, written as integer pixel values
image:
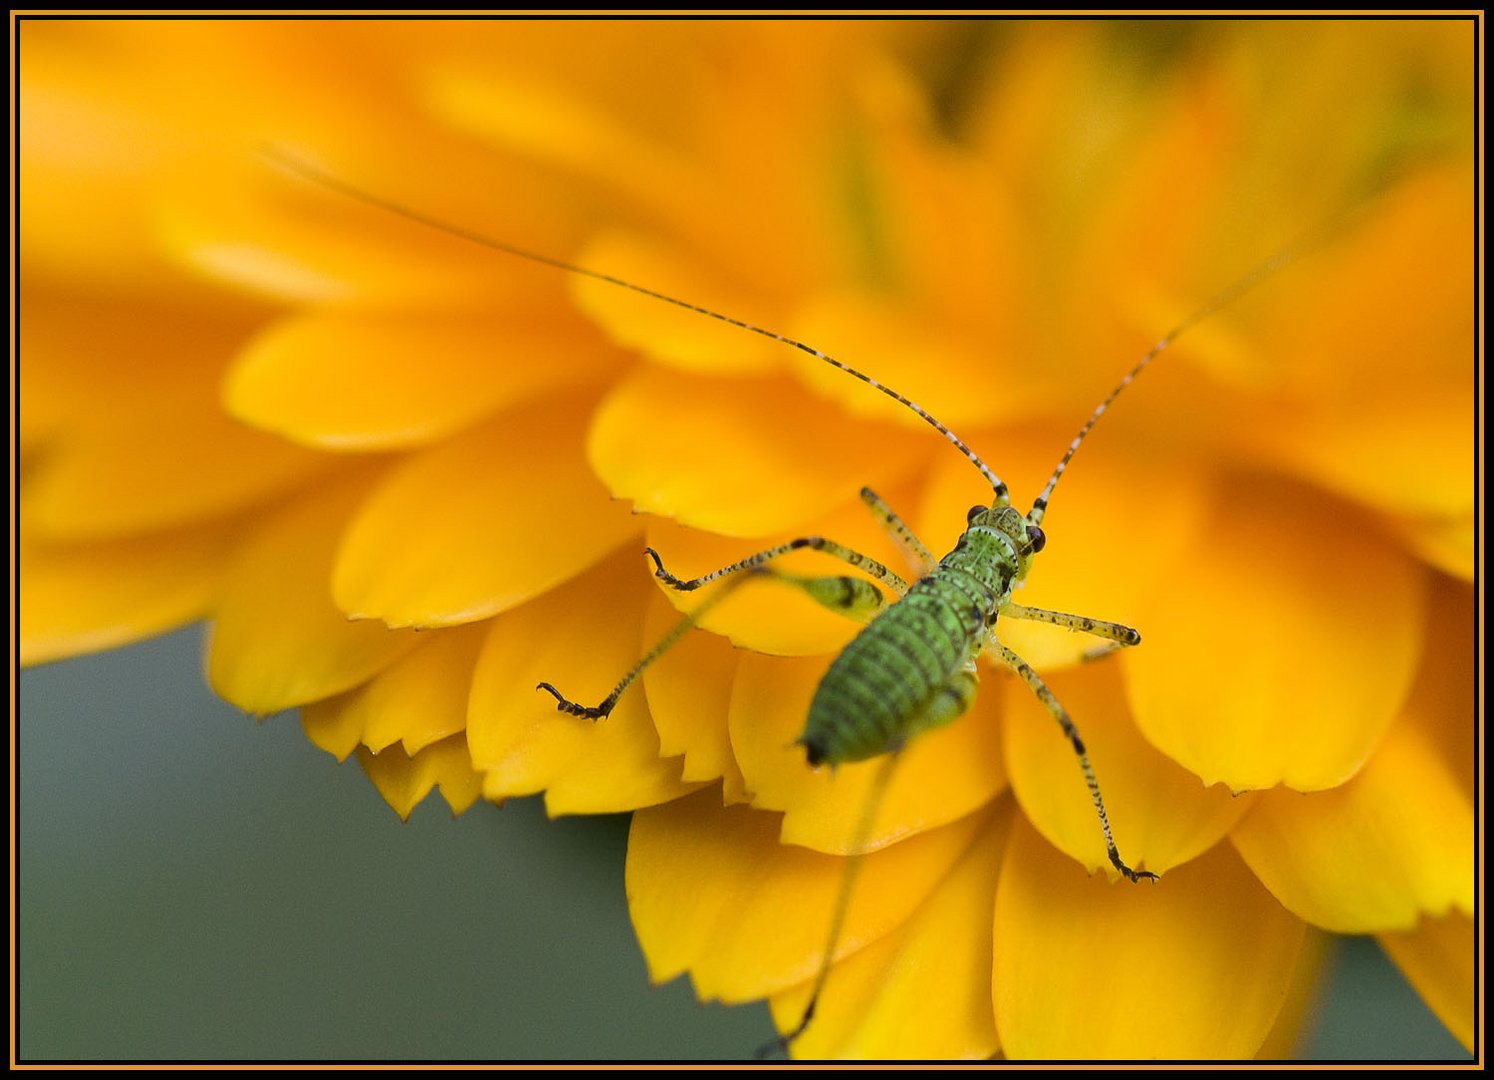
(1117, 635)
(1000, 652)
(907, 540)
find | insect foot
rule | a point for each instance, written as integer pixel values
(590, 712)
(1131, 875)
(666, 577)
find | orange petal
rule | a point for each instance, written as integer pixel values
(277, 640)
(480, 523)
(418, 700)
(131, 437)
(1451, 545)
(288, 237)
(156, 472)
(333, 725)
(1160, 813)
(1282, 650)
(1438, 958)
(405, 781)
(362, 381)
(665, 332)
(923, 990)
(947, 371)
(556, 126)
(1197, 965)
(1378, 363)
(1393, 843)
(743, 457)
(86, 597)
(713, 892)
(941, 776)
(1445, 701)
(582, 637)
(1092, 528)
(1285, 1039)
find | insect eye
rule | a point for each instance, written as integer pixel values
(974, 510)
(1036, 537)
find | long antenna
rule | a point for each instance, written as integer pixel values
(1282, 257)
(308, 171)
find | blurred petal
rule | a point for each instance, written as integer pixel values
(1286, 1037)
(405, 781)
(84, 597)
(552, 123)
(744, 457)
(1448, 545)
(1160, 814)
(481, 523)
(940, 776)
(1393, 843)
(1197, 965)
(922, 991)
(678, 336)
(344, 381)
(278, 641)
(713, 892)
(1373, 380)
(583, 637)
(97, 475)
(284, 237)
(1439, 958)
(1445, 701)
(1288, 654)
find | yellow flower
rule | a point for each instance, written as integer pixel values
(397, 470)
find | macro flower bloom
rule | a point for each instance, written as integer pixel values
(408, 478)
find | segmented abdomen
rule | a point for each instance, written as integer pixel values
(891, 672)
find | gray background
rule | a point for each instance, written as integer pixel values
(196, 886)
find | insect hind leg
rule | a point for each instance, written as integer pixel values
(1024, 671)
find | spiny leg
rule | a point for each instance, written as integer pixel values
(850, 596)
(1024, 671)
(861, 562)
(911, 546)
(951, 701)
(597, 712)
(842, 902)
(1117, 635)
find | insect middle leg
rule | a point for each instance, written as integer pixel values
(1116, 635)
(1000, 652)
